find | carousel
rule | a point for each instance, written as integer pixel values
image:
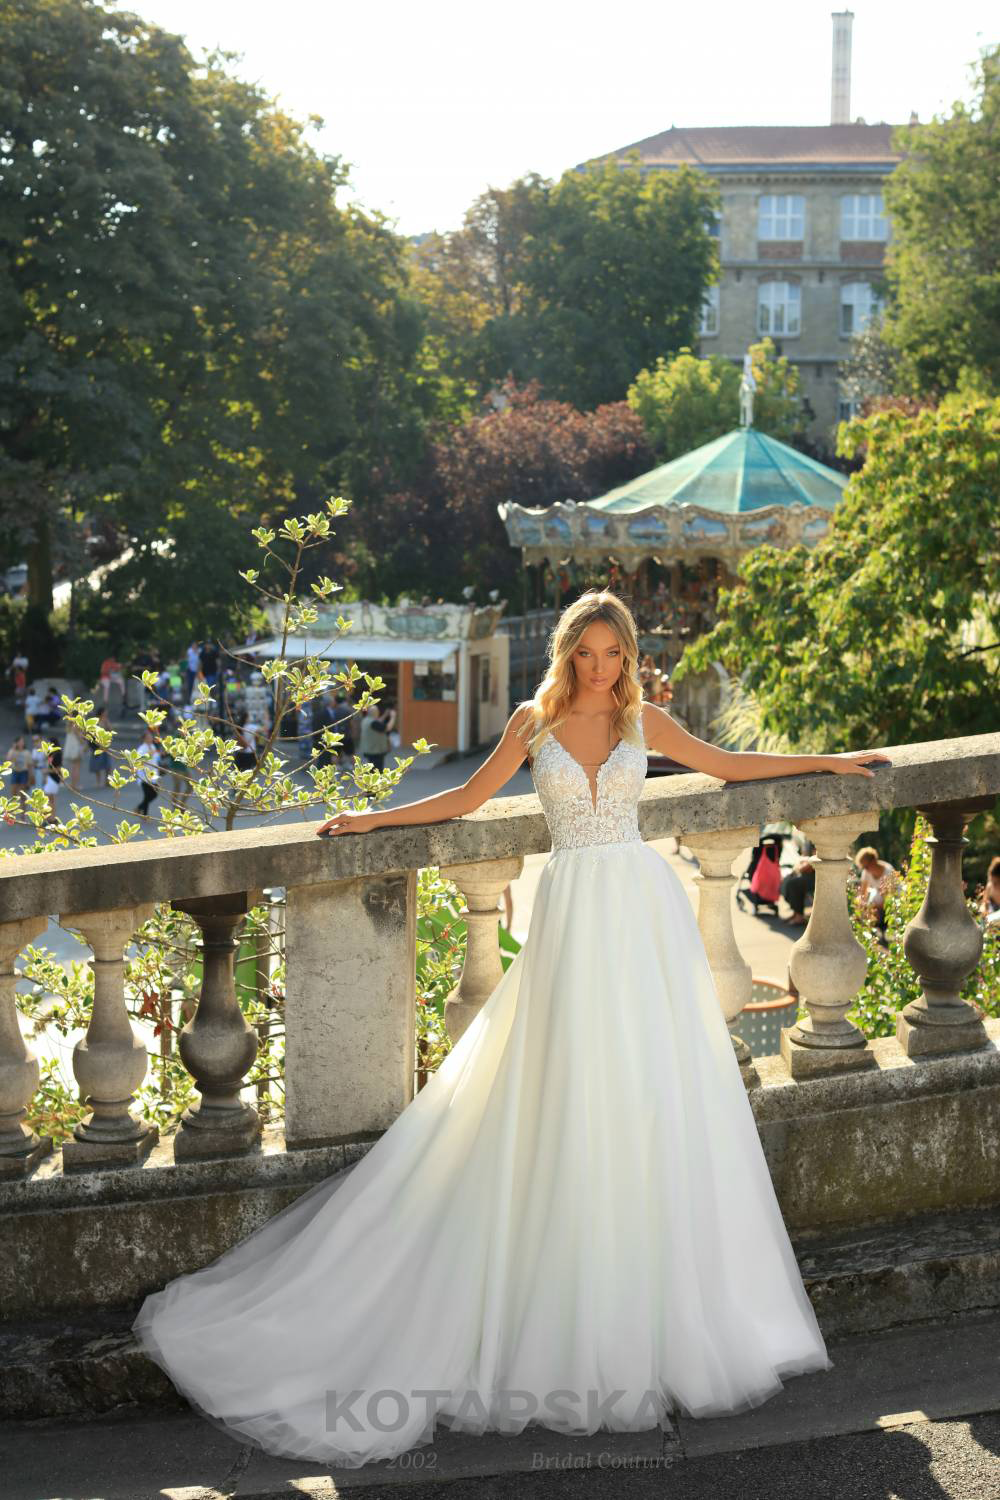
(670, 539)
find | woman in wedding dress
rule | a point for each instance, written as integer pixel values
(573, 1223)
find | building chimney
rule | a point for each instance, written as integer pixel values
(840, 92)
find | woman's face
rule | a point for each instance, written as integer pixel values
(597, 659)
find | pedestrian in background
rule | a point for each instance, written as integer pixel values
(39, 760)
(374, 740)
(111, 676)
(32, 708)
(100, 760)
(53, 781)
(72, 754)
(342, 721)
(192, 668)
(149, 752)
(877, 877)
(20, 767)
(258, 702)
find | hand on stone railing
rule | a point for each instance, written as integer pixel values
(350, 822)
(856, 762)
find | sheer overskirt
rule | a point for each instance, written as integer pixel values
(572, 1224)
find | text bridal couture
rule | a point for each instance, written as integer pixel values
(572, 1223)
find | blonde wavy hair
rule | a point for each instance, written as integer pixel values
(553, 698)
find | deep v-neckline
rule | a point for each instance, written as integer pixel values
(595, 795)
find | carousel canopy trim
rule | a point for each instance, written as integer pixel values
(349, 647)
(733, 494)
(743, 470)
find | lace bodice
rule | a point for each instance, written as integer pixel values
(563, 788)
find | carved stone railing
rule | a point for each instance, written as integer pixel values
(350, 947)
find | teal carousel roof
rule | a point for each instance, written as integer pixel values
(723, 498)
(741, 471)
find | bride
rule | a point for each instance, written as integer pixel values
(573, 1223)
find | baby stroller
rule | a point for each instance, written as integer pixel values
(760, 884)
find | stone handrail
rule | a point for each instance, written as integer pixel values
(285, 854)
(350, 945)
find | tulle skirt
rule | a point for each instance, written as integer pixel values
(572, 1224)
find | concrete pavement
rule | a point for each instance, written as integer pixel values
(909, 1414)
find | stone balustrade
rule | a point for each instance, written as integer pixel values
(350, 948)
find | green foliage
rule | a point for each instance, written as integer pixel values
(526, 450)
(12, 632)
(441, 939)
(891, 983)
(204, 338)
(441, 936)
(943, 264)
(888, 631)
(870, 371)
(576, 283)
(686, 401)
(469, 285)
(616, 277)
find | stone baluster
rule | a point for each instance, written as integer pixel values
(482, 884)
(828, 964)
(943, 944)
(20, 1148)
(350, 1007)
(715, 852)
(218, 1045)
(110, 1062)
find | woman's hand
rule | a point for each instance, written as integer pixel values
(349, 822)
(855, 762)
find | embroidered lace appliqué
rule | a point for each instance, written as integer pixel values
(564, 791)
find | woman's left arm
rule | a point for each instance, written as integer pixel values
(664, 734)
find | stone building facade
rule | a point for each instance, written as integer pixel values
(802, 238)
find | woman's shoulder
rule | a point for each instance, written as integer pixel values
(649, 718)
(521, 724)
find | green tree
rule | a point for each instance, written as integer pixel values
(576, 283)
(470, 285)
(686, 401)
(615, 276)
(888, 631)
(447, 533)
(943, 264)
(192, 332)
(869, 373)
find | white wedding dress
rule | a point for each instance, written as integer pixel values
(572, 1224)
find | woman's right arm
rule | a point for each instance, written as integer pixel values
(494, 773)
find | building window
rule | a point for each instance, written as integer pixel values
(781, 216)
(710, 312)
(858, 305)
(779, 307)
(434, 681)
(862, 217)
(846, 410)
(714, 223)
